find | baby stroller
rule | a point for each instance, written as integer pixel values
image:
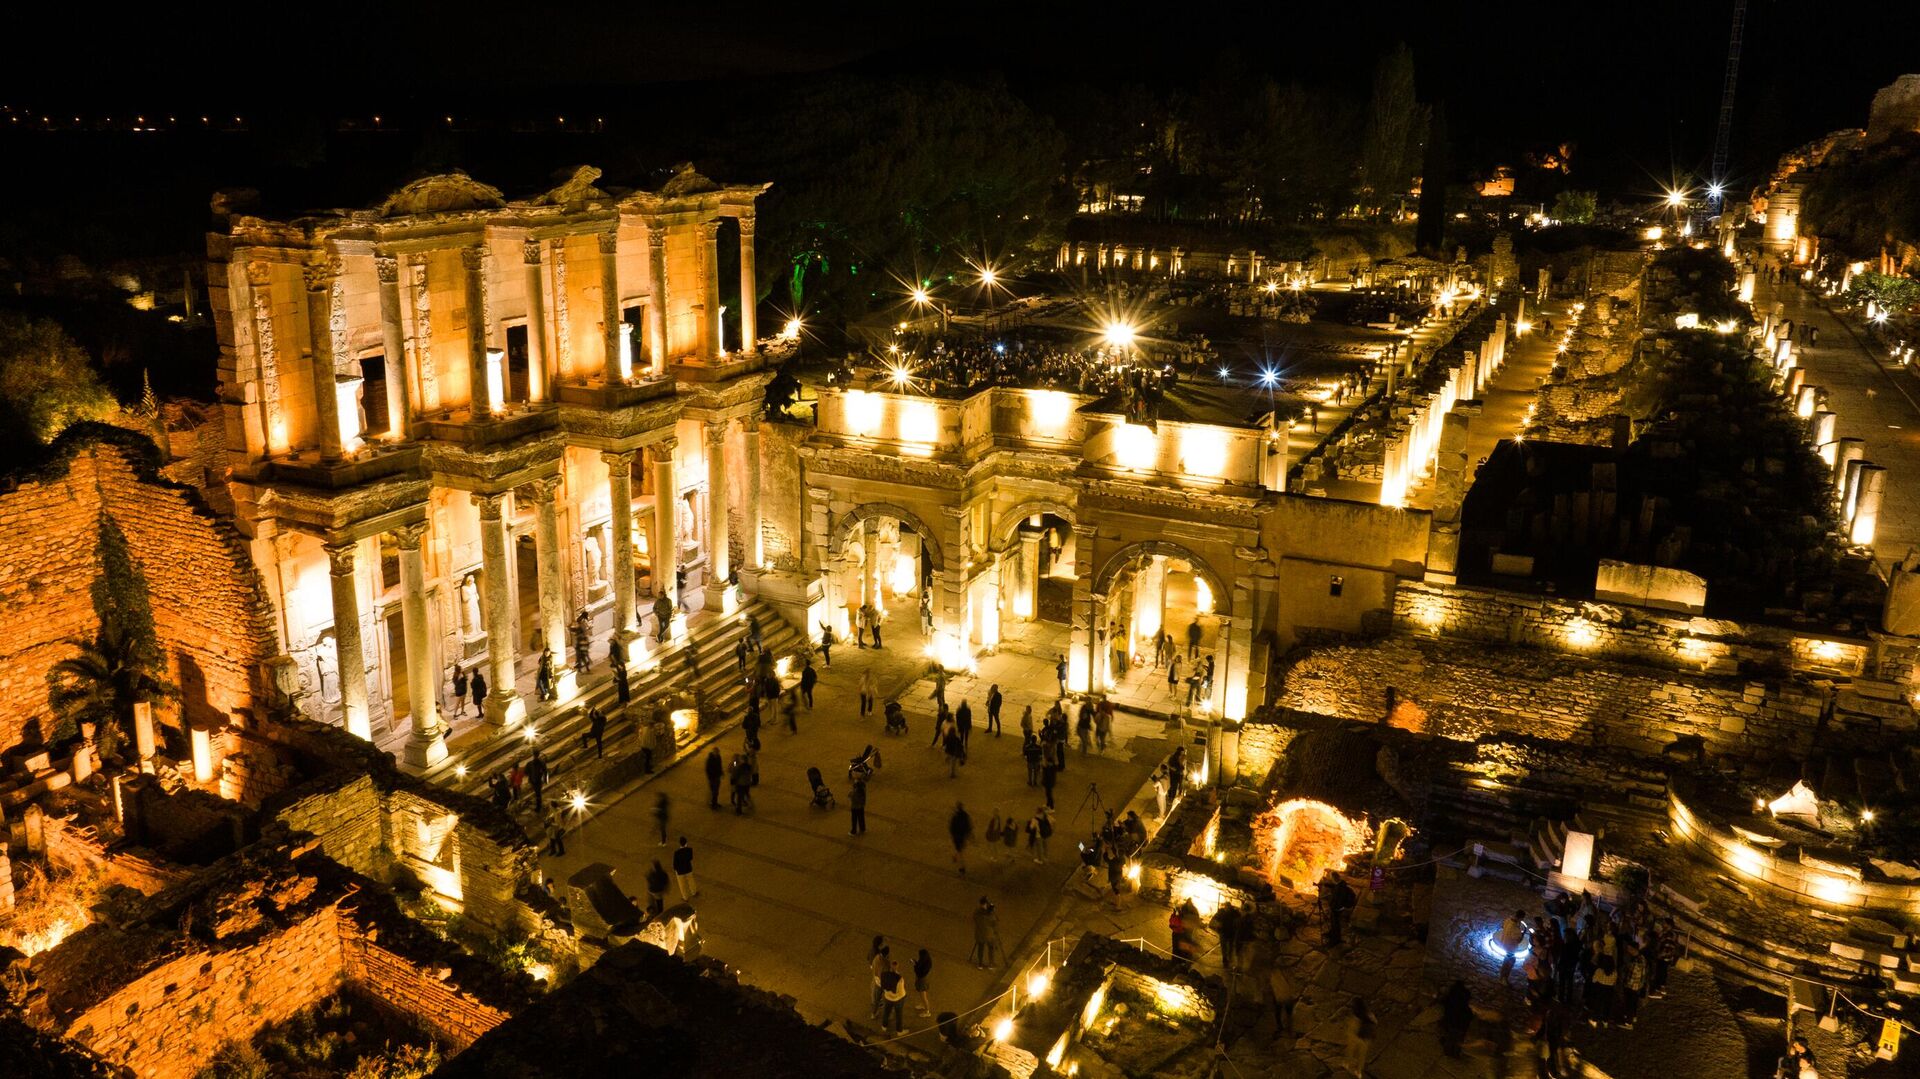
(822, 797)
(863, 766)
(896, 718)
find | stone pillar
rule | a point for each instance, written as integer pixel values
(428, 744)
(750, 543)
(1823, 430)
(143, 741)
(1030, 573)
(749, 287)
(346, 638)
(546, 552)
(479, 390)
(504, 706)
(320, 331)
(709, 254)
(1847, 449)
(657, 303)
(1084, 613)
(1866, 504)
(1235, 648)
(666, 499)
(610, 307)
(870, 565)
(719, 515)
(393, 341)
(620, 495)
(539, 377)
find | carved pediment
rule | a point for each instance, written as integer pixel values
(578, 188)
(687, 181)
(444, 193)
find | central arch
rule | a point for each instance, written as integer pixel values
(843, 527)
(1103, 580)
(1158, 621)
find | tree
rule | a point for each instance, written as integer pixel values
(1391, 143)
(122, 665)
(1887, 291)
(1430, 235)
(47, 383)
(1575, 207)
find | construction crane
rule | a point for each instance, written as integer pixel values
(1717, 179)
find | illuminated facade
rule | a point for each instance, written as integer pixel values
(455, 422)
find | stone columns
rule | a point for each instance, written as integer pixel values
(657, 304)
(1085, 613)
(709, 253)
(143, 740)
(750, 542)
(393, 342)
(504, 706)
(539, 377)
(719, 513)
(479, 387)
(1846, 449)
(1235, 649)
(666, 537)
(749, 287)
(610, 368)
(1866, 504)
(870, 565)
(320, 331)
(546, 550)
(428, 745)
(346, 639)
(1030, 574)
(620, 494)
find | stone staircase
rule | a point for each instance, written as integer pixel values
(719, 694)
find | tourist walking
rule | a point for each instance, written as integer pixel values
(857, 807)
(963, 724)
(893, 991)
(479, 688)
(740, 653)
(656, 889)
(960, 830)
(922, 969)
(1102, 725)
(543, 677)
(1456, 1016)
(662, 809)
(716, 769)
(582, 645)
(1083, 729)
(740, 777)
(556, 832)
(866, 693)
(537, 779)
(1360, 1027)
(683, 870)
(1030, 751)
(994, 700)
(986, 934)
(956, 751)
(1193, 638)
(808, 677)
(1060, 673)
(878, 957)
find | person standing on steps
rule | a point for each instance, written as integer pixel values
(857, 808)
(716, 769)
(994, 701)
(740, 653)
(479, 687)
(808, 679)
(537, 779)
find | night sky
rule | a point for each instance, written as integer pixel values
(1635, 84)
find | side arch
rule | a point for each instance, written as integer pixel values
(1110, 570)
(929, 539)
(1010, 521)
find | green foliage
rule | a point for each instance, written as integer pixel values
(1888, 291)
(1575, 207)
(331, 1038)
(122, 665)
(46, 381)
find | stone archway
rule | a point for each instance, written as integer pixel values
(1011, 520)
(843, 527)
(1112, 568)
(1152, 588)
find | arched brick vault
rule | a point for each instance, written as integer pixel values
(1010, 521)
(1110, 571)
(929, 539)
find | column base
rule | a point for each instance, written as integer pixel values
(566, 686)
(718, 597)
(505, 709)
(360, 726)
(425, 751)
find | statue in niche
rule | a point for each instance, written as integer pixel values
(596, 559)
(326, 668)
(688, 525)
(470, 605)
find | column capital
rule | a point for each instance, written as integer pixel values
(609, 242)
(320, 275)
(489, 505)
(340, 558)
(259, 274)
(656, 236)
(716, 433)
(617, 458)
(665, 446)
(530, 251)
(746, 225)
(408, 537)
(541, 490)
(709, 230)
(473, 256)
(557, 245)
(387, 268)
(750, 424)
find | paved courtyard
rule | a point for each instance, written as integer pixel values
(793, 901)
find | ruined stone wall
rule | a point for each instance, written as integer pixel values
(214, 622)
(168, 1022)
(781, 494)
(400, 984)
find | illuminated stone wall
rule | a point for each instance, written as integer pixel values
(213, 621)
